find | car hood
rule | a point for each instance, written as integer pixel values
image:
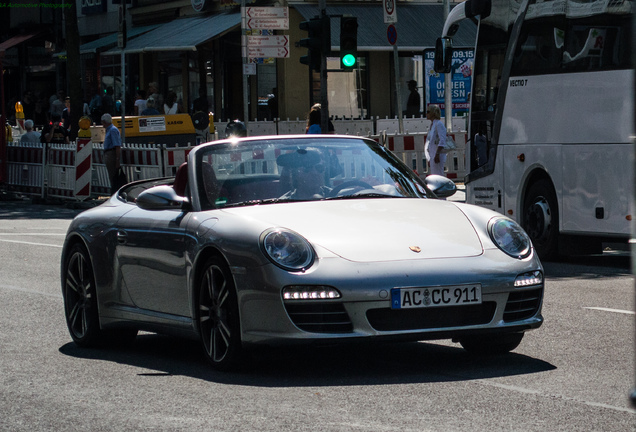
(368, 230)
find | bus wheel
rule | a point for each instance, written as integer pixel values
(541, 219)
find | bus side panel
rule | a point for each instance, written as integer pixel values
(598, 187)
(488, 191)
(576, 128)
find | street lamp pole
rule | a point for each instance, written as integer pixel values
(448, 84)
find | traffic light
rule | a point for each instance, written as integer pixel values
(348, 43)
(318, 41)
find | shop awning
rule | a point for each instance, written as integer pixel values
(16, 40)
(107, 42)
(110, 41)
(182, 34)
(418, 26)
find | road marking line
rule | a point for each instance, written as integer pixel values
(540, 394)
(30, 243)
(611, 310)
(30, 291)
(28, 234)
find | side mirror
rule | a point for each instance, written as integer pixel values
(441, 186)
(161, 198)
(443, 55)
(478, 8)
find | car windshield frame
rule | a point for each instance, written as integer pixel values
(267, 170)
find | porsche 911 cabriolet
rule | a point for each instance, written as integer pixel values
(298, 239)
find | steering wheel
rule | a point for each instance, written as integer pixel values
(336, 190)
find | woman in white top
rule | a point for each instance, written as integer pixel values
(140, 102)
(171, 106)
(435, 141)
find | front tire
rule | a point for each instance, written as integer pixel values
(541, 219)
(491, 344)
(218, 316)
(80, 298)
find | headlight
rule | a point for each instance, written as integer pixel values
(287, 249)
(510, 237)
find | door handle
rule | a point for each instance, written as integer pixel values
(122, 237)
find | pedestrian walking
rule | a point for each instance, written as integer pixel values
(435, 141)
(112, 151)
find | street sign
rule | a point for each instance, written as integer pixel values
(268, 18)
(277, 52)
(249, 69)
(268, 23)
(390, 12)
(267, 46)
(267, 41)
(391, 34)
(267, 12)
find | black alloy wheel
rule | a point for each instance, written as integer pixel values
(218, 316)
(80, 299)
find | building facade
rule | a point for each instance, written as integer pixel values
(183, 46)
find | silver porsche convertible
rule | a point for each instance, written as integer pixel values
(298, 239)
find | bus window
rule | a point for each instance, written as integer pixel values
(539, 49)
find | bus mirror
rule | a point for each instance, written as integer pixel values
(478, 8)
(443, 55)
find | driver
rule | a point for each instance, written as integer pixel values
(307, 174)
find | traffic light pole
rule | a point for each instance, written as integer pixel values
(324, 94)
(448, 85)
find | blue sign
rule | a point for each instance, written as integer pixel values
(461, 74)
(391, 34)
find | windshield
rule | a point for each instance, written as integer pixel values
(274, 170)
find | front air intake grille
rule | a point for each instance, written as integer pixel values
(522, 304)
(387, 319)
(320, 317)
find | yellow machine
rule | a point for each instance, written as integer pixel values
(175, 130)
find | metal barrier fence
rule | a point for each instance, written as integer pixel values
(25, 168)
(139, 162)
(53, 173)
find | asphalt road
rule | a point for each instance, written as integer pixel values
(573, 374)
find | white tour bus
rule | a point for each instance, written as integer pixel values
(551, 117)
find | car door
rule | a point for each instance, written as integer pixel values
(151, 254)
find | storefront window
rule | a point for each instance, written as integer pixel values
(267, 92)
(171, 75)
(348, 91)
(412, 85)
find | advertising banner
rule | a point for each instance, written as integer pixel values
(462, 72)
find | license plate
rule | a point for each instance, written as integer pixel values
(456, 295)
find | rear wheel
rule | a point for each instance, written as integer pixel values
(491, 344)
(541, 219)
(218, 316)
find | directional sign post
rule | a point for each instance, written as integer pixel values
(267, 46)
(267, 18)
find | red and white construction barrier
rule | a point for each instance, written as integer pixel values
(83, 168)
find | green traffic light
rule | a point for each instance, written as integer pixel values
(349, 60)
